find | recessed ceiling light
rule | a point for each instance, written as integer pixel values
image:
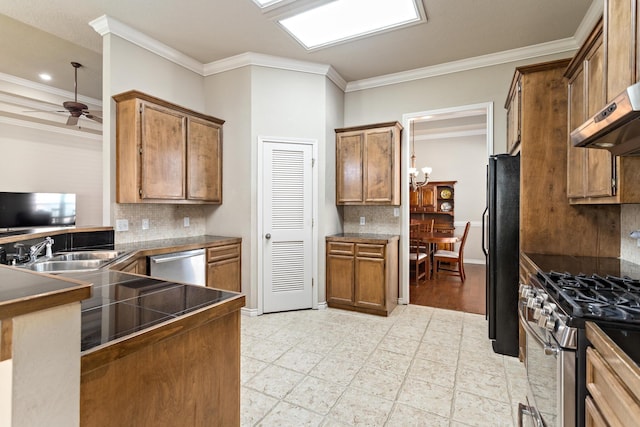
(44, 76)
(342, 20)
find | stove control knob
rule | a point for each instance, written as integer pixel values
(547, 322)
(525, 291)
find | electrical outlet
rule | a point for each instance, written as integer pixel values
(362, 220)
(186, 221)
(122, 225)
(145, 224)
(396, 212)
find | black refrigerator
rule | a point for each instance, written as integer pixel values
(501, 242)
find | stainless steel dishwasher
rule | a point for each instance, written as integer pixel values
(185, 267)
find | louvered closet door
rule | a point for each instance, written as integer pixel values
(287, 199)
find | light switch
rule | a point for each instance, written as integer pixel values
(145, 224)
(186, 221)
(362, 220)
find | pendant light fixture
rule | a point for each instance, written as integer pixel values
(413, 171)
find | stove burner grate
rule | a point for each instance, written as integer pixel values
(606, 298)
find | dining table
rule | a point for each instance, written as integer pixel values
(433, 239)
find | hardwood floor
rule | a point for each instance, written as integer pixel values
(449, 292)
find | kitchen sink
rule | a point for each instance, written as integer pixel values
(98, 255)
(49, 266)
(74, 261)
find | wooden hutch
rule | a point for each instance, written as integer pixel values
(434, 201)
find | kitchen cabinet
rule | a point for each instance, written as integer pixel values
(166, 153)
(223, 267)
(513, 117)
(599, 71)
(544, 210)
(368, 165)
(137, 266)
(362, 273)
(613, 382)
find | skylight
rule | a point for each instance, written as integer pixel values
(266, 3)
(342, 20)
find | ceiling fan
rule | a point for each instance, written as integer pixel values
(75, 108)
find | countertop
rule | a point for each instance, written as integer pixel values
(362, 237)
(23, 291)
(122, 304)
(585, 265)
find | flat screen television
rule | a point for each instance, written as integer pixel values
(27, 210)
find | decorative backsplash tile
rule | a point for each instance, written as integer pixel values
(378, 220)
(165, 221)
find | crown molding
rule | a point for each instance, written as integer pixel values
(594, 13)
(542, 49)
(93, 135)
(262, 60)
(29, 84)
(107, 25)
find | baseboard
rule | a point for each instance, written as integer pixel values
(250, 312)
(322, 306)
(474, 261)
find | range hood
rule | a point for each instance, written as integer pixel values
(615, 128)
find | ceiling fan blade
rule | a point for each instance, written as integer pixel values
(72, 120)
(94, 118)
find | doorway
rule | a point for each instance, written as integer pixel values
(286, 219)
(442, 127)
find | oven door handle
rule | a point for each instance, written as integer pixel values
(525, 410)
(549, 348)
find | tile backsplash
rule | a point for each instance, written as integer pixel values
(629, 221)
(378, 220)
(165, 221)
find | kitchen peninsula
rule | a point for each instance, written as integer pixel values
(152, 352)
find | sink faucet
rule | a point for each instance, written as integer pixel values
(35, 250)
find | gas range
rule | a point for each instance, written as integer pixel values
(557, 295)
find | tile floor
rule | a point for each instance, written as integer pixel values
(421, 366)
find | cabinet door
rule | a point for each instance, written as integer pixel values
(576, 156)
(428, 198)
(513, 119)
(349, 167)
(370, 283)
(378, 156)
(599, 170)
(204, 161)
(163, 151)
(340, 278)
(224, 275)
(620, 26)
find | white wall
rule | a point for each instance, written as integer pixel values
(38, 159)
(463, 160)
(127, 66)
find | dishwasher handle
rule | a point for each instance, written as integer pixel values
(176, 256)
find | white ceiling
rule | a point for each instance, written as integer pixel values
(211, 30)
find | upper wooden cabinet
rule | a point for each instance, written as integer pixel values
(599, 71)
(166, 153)
(513, 116)
(368, 165)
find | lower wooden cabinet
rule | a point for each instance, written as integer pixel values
(137, 266)
(613, 383)
(362, 273)
(223, 267)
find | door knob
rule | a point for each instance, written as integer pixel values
(267, 236)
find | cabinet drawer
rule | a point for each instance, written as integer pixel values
(223, 252)
(593, 415)
(340, 248)
(372, 251)
(610, 395)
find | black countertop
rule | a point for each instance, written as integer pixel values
(601, 266)
(122, 304)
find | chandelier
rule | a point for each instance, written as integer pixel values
(413, 171)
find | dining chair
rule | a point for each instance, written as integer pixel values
(419, 251)
(452, 257)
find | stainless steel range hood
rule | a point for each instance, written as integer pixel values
(615, 128)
